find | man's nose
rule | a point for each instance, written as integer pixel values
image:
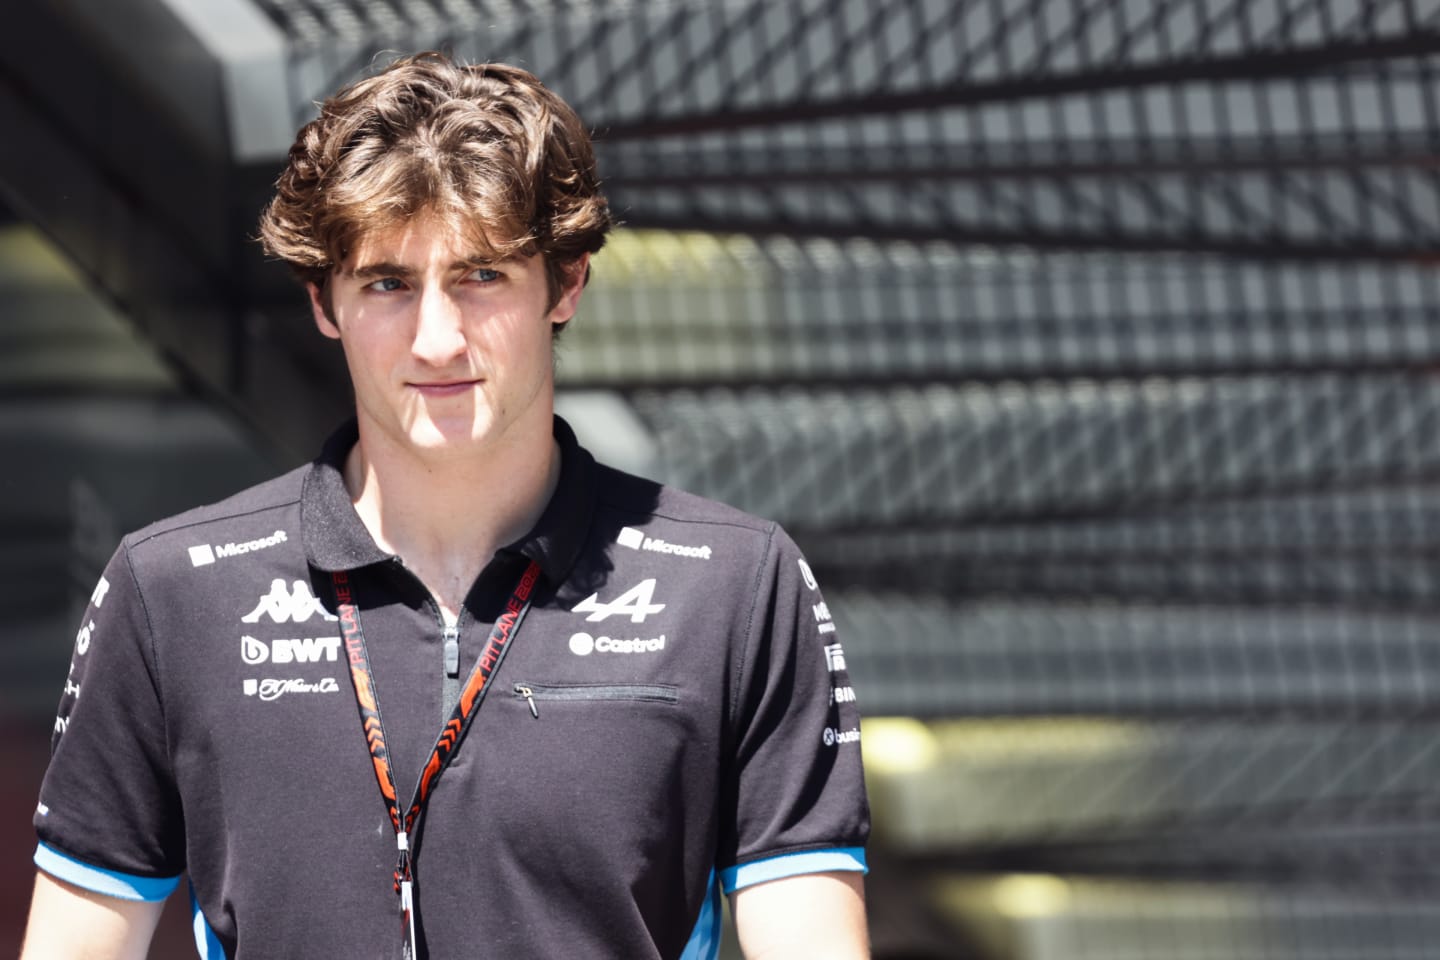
(439, 329)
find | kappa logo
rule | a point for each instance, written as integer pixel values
(635, 540)
(293, 606)
(637, 602)
(290, 650)
(202, 553)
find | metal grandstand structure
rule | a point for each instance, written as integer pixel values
(1090, 350)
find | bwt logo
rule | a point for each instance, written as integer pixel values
(298, 650)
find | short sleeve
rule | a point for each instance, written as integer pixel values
(109, 819)
(796, 788)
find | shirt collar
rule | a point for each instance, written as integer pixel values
(336, 538)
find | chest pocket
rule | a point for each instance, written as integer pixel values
(535, 694)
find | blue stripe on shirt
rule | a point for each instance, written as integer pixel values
(112, 883)
(792, 865)
(704, 942)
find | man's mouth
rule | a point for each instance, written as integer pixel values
(443, 388)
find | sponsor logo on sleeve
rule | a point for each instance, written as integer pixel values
(835, 657)
(82, 639)
(635, 540)
(842, 695)
(833, 737)
(295, 605)
(822, 617)
(583, 644)
(637, 603)
(97, 596)
(807, 574)
(204, 553)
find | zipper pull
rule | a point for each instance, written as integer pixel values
(452, 650)
(529, 696)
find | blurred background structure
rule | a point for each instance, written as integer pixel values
(1085, 346)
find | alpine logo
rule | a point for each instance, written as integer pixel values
(203, 553)
(296, 650)
(295, 605)
(637, 602)
(582, 645)
(635, 540)
(273, 689)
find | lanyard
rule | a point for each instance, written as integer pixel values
(450, 735)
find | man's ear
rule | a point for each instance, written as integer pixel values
(569, 301)
(320, 310)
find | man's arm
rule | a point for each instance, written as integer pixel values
(71, 923)
(813, 915)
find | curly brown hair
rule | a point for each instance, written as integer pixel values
(485, 147)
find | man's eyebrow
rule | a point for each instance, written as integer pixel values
(383, 269)
(479, 260)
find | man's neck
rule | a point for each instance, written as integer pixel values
(446, 516)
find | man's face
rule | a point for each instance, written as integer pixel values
(447, 353)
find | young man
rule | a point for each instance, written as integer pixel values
(453, 689)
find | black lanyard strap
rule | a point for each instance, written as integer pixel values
(471, 695)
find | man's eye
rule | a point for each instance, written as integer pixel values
(485, 275)
(386, 285)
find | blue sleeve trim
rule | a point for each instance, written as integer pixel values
(793, 865)
(98, 880)
(206, 942)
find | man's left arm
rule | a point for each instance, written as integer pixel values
(819, 915)
(800, 820)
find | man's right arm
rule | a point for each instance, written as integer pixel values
(70, 923)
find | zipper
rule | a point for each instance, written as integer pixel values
(450, 646)
(653, 692)
(451, 635)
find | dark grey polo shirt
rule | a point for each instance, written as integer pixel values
(673, 719)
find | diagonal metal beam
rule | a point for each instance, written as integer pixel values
(1251, 66)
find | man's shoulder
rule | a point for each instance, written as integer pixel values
(627, 494)
(238, 516)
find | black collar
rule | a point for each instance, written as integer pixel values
(336, 539)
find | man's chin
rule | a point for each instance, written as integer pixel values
(442, 436)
